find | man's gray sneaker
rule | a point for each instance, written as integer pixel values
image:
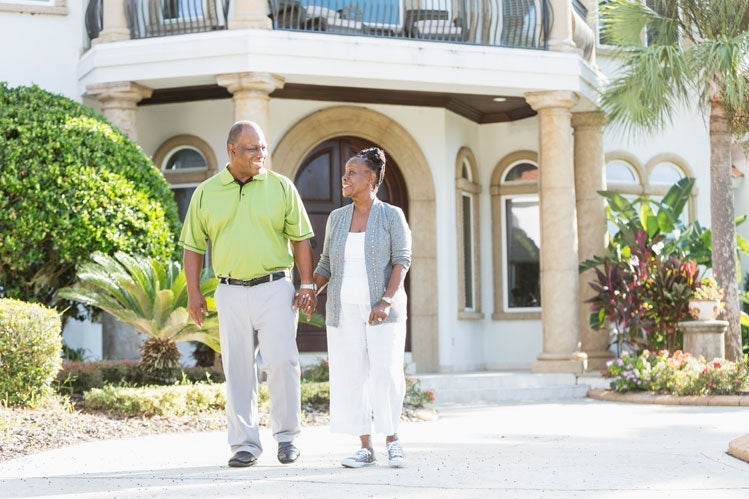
(396, 457)
(363, 457)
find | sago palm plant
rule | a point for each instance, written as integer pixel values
(151, 297)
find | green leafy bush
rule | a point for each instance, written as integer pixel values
(316, 395)
(30, 352)
(176, 400)
(70, 185)
(677, 374)
(80, 377)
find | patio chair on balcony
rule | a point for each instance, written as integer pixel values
(347, 21)
(172, 17)
(434, 25)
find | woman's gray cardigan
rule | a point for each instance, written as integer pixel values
(387, 242)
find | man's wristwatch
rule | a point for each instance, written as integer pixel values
(387, 300)
(312, 286)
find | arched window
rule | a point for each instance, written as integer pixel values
(517, 232)
(626, 176)
(185, 161)
(467, 191)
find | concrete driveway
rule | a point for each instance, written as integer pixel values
(571, 448)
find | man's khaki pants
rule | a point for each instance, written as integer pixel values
(264, 309)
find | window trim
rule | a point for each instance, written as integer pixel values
(644, 172)
(188, 175)
(498, 190)
(468, 187)
(51, 7)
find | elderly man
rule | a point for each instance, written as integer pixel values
(258, 228)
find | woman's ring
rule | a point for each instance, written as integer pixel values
(379, 319)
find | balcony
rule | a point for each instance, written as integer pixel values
(505, 23)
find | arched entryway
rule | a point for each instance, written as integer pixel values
(318, 180)
(341, 121)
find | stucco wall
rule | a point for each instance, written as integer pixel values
(43, 49)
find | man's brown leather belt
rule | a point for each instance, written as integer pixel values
(253, 282)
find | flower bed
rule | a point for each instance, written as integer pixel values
(677, 374)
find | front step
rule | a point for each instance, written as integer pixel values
(491, 387)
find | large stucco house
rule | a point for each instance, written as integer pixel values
(486, 109)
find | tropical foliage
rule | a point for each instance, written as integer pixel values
(692, 50)
(644, 282)
(151, 297)
(70, 185)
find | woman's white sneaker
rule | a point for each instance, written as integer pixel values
(363, 457)
(396, 457)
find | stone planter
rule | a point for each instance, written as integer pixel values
(705, 338)
(704, 310)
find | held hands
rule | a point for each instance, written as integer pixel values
(379, 313)
(197, 308)
(305, 301)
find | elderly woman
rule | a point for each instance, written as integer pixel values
(366, 255)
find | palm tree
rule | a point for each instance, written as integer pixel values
(152, 298)
(673, 51)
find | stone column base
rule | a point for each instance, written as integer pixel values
(705, 338)
(558, 366)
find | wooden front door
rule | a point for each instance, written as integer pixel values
(319, 183)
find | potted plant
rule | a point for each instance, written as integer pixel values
(706, 303)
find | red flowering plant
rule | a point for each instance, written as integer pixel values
(416, 396)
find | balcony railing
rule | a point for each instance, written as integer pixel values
(510, 23)
(149, 18)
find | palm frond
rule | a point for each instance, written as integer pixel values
(723, 63)
(651, 86)
(623, 22)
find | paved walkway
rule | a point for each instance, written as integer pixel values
(579, 448)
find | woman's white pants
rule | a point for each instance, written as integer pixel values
(367, 382)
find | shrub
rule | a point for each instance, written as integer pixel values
(80, 377)
(679, 374)
(176, 400)
(30, 352)
(70, 185)
(415, 395)
(316, 395)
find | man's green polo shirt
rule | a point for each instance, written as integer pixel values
(250, 226)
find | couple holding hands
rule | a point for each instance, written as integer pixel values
(258, 229)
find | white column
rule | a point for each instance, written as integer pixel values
(251, 96)
(559, 258)
(114, 22)
(590, 177)
(250, 14)
(119, 103)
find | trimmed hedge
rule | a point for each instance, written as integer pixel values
(72, 184)
(176, 400)
(30, 352)
(80, 377)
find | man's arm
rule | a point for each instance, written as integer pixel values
(196, 306)
(305, 299)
